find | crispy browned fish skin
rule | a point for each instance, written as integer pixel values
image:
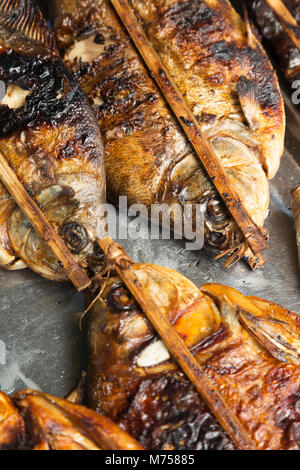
(250, 348)
(12, 427)
(56, 424)
(147, 156)
(49, 135)
(208, 40)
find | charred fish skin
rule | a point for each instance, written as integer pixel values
(147, 156)
(271, 30)
(250, 349)
(49, 135)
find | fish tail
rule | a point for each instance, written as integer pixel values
(22, 24)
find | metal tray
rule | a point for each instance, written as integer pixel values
(41, 345)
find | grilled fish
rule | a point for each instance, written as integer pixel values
(50, 137)
(270, 28)
(12, 427)
(227, 81)
(250, 349)
(55, 424)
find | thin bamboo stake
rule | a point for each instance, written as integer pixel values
(287, 21)
(75, 273)
(120, 260)
(204, 151)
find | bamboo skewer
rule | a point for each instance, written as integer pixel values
(117, 256)
(287, 21)
(120, 260)
(204, 151)
(75, 273)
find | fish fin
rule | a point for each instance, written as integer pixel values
(23, 27)
(250, 29)
(76, 396)
(248, 96)
(273, 334)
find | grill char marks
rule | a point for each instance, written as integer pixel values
(129, 108)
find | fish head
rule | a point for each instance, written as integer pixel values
(71, 206)
(116, 311)
(239, 153)
(124, 347)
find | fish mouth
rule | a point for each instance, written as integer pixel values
(68, 217)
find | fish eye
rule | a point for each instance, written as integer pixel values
(74, 235)
(216, 238)
(216, 211)
(120, 299)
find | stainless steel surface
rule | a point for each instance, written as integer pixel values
(41, 345)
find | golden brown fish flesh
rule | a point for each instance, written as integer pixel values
(226, 79)
(12, 427)
(50, 137)
(248, 347)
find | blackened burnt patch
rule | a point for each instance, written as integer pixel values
(99, 39)
(263, 75)
(54, 98)
(187, 15)
(168, 413)
(192, 22)
(224, 51)
(229, 54)
(121, 94)
(68, 150)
